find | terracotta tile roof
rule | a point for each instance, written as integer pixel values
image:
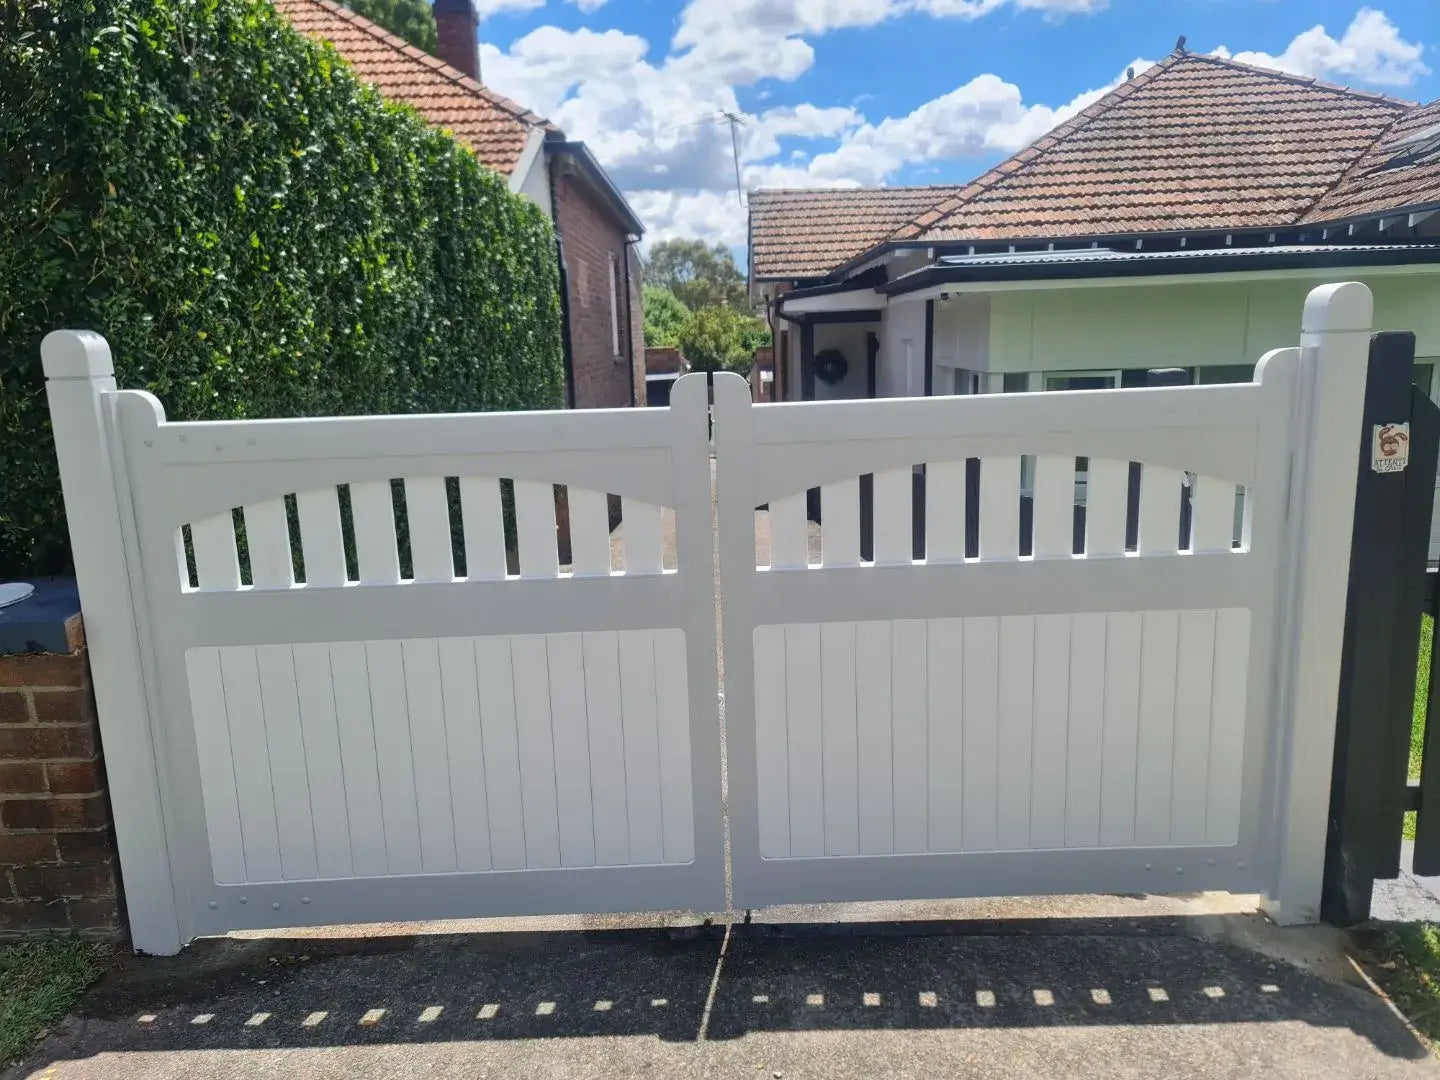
(807, 233)
(1369, 187)
(494, 127)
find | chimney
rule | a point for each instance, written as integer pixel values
(457, 31)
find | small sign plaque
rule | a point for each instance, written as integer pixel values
(1390, 447)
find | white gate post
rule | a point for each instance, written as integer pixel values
(1334, 342)
(79, 383)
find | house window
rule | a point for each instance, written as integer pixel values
(614, 310)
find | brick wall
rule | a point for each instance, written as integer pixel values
(57, 850)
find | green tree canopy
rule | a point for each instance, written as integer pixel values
(699, 275)
(720, 338)
(413, 20)
(664, 317)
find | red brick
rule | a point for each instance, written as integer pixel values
(48, 882)
(85, 847)
(47, 743)
(21, 778)
(42, 669)
(74, 777)
(27, 916)
(100, 916)
(15, 708)
(27, 848)
(64, 706)
(61, 815)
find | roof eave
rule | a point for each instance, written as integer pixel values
(595, 172)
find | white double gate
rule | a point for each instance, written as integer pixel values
(314, 713)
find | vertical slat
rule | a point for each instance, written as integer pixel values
(504, 795)
(1000, 507)
(427, 509)
(267, 535)
(372, 508)
(1212, 515)
(322, 541)
(430, 753)
(789, 539)
(1085, 731)
(483, 522)
(642, 531)
(1154, 753)
(1227, 725)
(1159, 510)
(639, 711)
(394, 756)
(285, 738)
(944, 664)
(980, 691)
(355, 721)
(909, 752)
(945, 512)
(802, 709)
(315, 692)
(1052, 712)
(589, 533)
(841, 755)
(772, 759)
(536, 744)
(251, 757)
(535, 529)
(672, 697)
(571, 731)
(1016, 706)
(894, 489)
(1106, 495)
(872, 715)
(601, 656)
(217, 772)
(464, 753)
(840, 531)
(217, 564)
(1054, 507)
(1194, 677)
(1123, 631)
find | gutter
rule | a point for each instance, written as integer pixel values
(600, 178)
(630, 317)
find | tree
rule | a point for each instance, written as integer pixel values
(413, 20)
(699, 275)
(719, 338)
(664, 317)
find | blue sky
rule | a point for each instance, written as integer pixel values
(847, 92)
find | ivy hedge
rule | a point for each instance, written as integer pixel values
(255, 231)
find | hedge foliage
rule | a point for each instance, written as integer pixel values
(255, 231)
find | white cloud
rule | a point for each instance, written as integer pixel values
(485, 8)
(587, 6)
(1371, 50)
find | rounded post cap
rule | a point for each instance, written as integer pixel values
(1340, 306)
(76, 354)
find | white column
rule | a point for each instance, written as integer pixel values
(80, 386)
(1334, 344)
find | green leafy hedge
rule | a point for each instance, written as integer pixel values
(255, 231)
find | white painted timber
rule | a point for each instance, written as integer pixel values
(267, 535)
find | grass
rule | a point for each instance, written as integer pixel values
(1405, 960)
(1417, 723)
(39, 982)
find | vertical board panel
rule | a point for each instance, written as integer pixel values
(1000, 507)
(873, 735)
(945, 512)
(802, 711)
(639, 710)
(642, 532)
(427, 509)
(601, 656)
(1016, 696)
(1195, 673)
(537, 750)
(217, 774)
(315, 691)
(464, 753)
(372, 508)
(1052, 712)
(483, 523)
(1085, 731)
(280, 702)
(772, 757)
(672, 696)
(267, 535)
(840, 530)
(1227, 725)
(1159, 510)
(504, 796)
(1122, 710)
(841, 754)
(430, 752)
(393, 756)
(354, 718)
(571, 732)
(892, 517)
(589, 533)
(1212, 515)
(322, 541)
(539, 553)
(217, 565)
(789, 541)
(1160, 635)
(251, 757)
(1054, 507)
(1106, 497)
(981, 720)
(909, 753)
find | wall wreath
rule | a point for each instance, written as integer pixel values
(830, 366)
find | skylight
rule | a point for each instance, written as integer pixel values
(1414, 148)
